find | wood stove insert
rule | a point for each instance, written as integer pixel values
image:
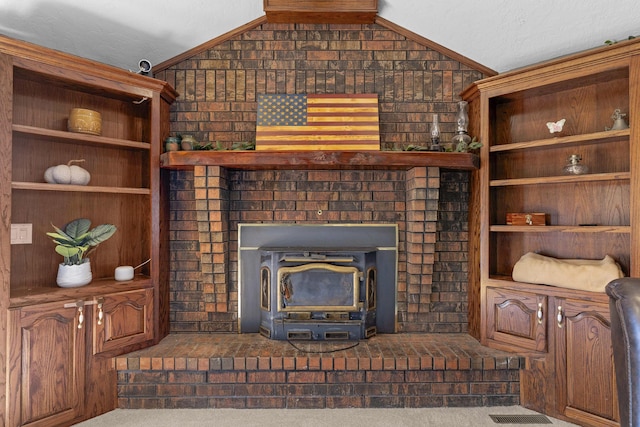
(317, 282)
(318, 295)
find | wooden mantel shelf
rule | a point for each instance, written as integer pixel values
(269, 160)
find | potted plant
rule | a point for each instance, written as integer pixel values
(74, 243)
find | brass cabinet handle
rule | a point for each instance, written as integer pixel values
(100, 311)
(559, 317)
(80, 305)
(540, 314)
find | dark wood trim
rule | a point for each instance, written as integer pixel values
(302, 160)
(46, 61)
(209, 44)
(96, 288)
(292, 17)
(321, 11)
(563, 68)
(6, 109)
(488, 72)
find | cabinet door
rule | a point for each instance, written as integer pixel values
(584, 363)
(122, 321)
(517, 319)
(47, 362)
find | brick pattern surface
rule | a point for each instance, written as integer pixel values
(249, 371)
(449, 301)
(217, 104)
(219, 87)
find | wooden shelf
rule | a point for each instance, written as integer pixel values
(79, 137)
(41, 295)
(613, 176)
(554, 326)
(265, 160)
(504, 281)
(562, 140)
(622, 229)
(39, 88)
(40, 186)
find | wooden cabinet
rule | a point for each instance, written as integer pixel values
(46, 366)
(585, 376)
(60, 369)
(516, 319)
(122, 321)
(569, 371)
(588, 216)
(38, 89)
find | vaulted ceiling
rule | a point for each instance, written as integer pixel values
(499, 34)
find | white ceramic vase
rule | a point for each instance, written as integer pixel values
(73, 276)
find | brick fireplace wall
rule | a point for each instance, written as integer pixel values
(219, 87)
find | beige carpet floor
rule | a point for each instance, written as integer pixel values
(401, 417)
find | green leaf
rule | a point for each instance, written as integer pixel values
(59, 238)
(77, 228)
(55, 235)
(62, 233)
(100, 234)
(67, 251)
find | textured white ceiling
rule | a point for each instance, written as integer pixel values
(500, 34)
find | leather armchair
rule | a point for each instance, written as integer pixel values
(624, 305)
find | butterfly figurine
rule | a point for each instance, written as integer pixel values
(556, 126)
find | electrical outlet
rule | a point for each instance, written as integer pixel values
(21, 234)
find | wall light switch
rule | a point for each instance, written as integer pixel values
(21, 234)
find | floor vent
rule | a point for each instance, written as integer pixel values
(520, 419)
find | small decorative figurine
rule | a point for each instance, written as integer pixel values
(556, 126)
(618, 121)
(574, 167)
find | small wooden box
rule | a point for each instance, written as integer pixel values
(537, 218)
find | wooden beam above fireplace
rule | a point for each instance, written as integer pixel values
(321, 11)
(270, 160)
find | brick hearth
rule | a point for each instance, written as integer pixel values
(250, 371)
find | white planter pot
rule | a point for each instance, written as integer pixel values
(73, 276)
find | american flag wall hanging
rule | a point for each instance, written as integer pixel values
(318, 122)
